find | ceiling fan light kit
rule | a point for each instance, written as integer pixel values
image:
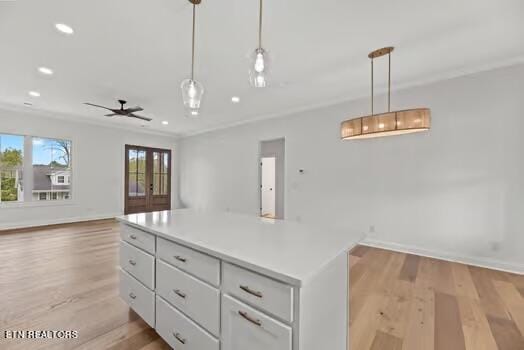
(192, 90)
(389, 123)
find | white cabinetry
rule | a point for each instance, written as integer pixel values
(246, 328)
(208, 282)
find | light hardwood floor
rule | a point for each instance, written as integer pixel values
(65, 278)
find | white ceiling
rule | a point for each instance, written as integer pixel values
(140, 51)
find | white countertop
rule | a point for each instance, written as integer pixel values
(285, 250)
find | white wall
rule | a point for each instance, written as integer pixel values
(98, 169)
(456, 191)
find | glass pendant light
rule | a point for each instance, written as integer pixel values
(258, 70)
(192, 90)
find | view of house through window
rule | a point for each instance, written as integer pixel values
(11, 168)
(51, 169)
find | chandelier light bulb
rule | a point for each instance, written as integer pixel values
(259, 62)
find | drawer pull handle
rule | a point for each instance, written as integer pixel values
(250, 291)
(132, 295)
(132, 236)
(132, 262)
(179, 258)
(179, 338)
(179, 293)
(246, 316)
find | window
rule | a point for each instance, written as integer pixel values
(50, 170)
(51, 166)
(137, 173)
(160, 173)
(11, 168)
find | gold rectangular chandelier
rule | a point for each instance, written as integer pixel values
(389, 123)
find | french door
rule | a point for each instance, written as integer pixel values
(147, 179)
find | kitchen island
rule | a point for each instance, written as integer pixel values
(210, 280)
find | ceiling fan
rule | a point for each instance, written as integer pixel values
(125, 112)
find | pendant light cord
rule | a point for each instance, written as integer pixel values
(389, 85)
(260, 26)
(193, 44)
(372, 90)
(389, 82)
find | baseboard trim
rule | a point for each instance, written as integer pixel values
(468, 260)
(43, 223)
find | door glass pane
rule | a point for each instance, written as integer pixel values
(137, 173)
(165, 163)
(141, 162)
(160, 173)
(156, 184)
(141, 185)
(132, 185)
(165, 185)
(156, 162)
(132, 155)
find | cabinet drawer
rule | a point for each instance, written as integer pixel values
(198, 264)
(138, 297)
(138, 263)
(259, 291)
(138, 238)
(179, 331)
(245, 328)
(193, 297)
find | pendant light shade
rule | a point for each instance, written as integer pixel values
(192, 90)
(389, 123)
(258, 73)
(259, 63)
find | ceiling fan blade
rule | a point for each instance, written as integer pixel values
(92, 104)
(139, 117)
(111, 115)
(134, 109)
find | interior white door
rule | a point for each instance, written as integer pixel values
(267, 188)
(244, 328)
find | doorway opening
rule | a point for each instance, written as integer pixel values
(147, 179)
(272, 180)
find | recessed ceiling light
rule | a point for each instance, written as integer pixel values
(34, 93)
(45, 70)
(165, 122)
(64, 28)
(235, 99)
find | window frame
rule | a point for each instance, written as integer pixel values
(28, 166)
